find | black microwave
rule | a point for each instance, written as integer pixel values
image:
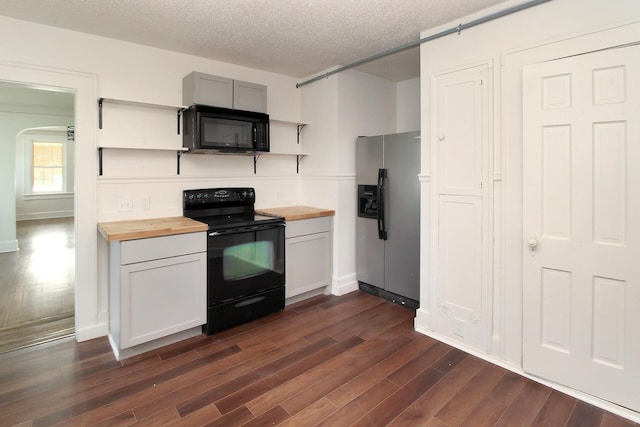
(223, 130)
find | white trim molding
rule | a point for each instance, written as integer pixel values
(9, 246)
(344, 285)
(43, 215)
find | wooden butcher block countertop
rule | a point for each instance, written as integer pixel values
(153, 227)
(293, 213)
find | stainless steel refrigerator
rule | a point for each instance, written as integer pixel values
(388, 222)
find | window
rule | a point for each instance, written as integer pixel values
(47, 167)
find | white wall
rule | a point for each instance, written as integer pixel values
(569, 27)
(408, 107)
(340, 109)
(13, 120)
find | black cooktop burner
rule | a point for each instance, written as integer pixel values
(224, 208)
(238, 221)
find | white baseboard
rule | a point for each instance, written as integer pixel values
(122, 354)
(92, 332)
(603, 404)
(9, 246)
(43, 215)
(344, 285)
(423, 319)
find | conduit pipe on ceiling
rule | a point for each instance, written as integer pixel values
(458, 29)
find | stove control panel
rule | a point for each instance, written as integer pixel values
(219, 196)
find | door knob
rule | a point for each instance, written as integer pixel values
(533, 244)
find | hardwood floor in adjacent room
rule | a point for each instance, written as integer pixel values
(37, 284)
(334, 361)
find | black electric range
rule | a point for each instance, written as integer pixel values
(245, 255)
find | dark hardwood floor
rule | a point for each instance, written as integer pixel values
(331, 361)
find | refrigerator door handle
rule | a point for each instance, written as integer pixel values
(382, 230)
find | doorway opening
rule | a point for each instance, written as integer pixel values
(37, 255)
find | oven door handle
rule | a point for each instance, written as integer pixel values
(245, 229)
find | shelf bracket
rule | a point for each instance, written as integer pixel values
(100, 113)
(300, 126)
(255, 163)
(180, 110)
(298, 158)
(100, 161)
(178, 156)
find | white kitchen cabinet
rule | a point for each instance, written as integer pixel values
(309, 258)
(206, 89)
(157, 290)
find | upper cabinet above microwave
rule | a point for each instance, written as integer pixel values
(216, 91)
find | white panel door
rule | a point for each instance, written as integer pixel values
(581, 260)
(462, 109)
(461, 253)
(460, 257)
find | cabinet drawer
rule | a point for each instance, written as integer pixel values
(140, 250)
(307, 226)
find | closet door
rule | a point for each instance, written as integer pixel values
(581, 187)
(461, 252)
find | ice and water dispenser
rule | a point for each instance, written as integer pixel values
(368, 201)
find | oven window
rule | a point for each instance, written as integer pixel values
(247, 260)
(244, 263)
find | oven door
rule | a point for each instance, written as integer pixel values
(244, 261)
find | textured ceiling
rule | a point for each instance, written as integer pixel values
(299, 38)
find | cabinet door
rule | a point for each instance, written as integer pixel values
(461, 247)
(162, 297)
(461, 124)
(205, 89)
(308, 263)
(249, 96)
